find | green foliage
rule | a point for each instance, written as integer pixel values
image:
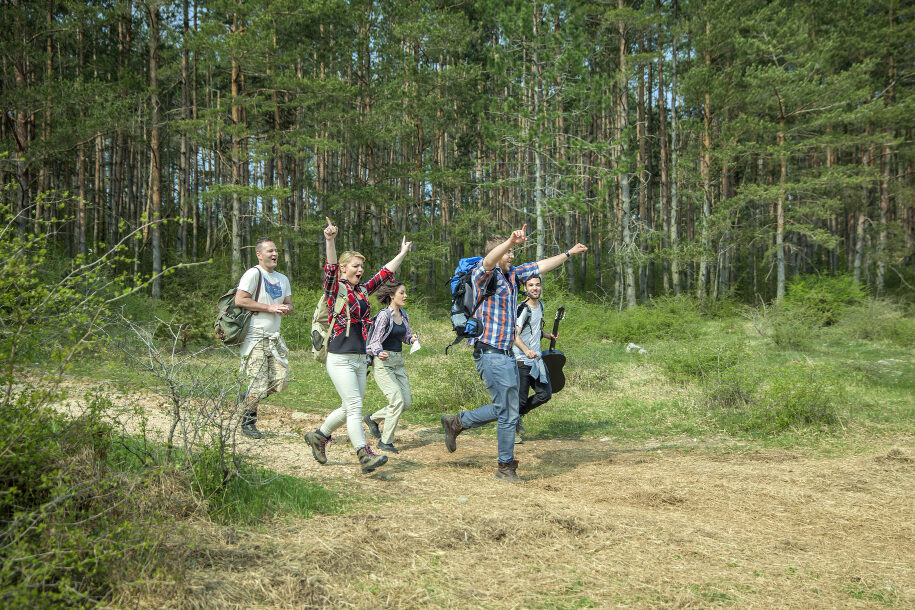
(252, 494)
(664, 318)
(791, 328)
(775, 399)
(878, 320)
(72, 527)
(701, 360)
(796, 395)
(821, 298)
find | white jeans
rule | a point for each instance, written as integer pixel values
(347, 372)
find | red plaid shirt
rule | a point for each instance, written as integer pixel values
(358, 299)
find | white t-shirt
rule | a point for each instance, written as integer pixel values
(274, 289)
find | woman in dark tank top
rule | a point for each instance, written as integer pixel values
(390, 333)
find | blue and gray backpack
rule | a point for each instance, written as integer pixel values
(463, 307)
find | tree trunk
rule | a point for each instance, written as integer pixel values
(236, 159)
(155, 152)
(780, 214)
(625, 199)
(674, 177)
(706, 175)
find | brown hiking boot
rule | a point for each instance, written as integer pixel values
(369, 460)
(452, 426)
(318, 443)
(508, 472)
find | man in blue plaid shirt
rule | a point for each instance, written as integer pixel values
(492, 353)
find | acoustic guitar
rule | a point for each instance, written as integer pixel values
(553, 359)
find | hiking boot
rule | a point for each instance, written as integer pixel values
(452, 426)
(369, 460)
(508, 472)
(388, 447)
(248, 428)
(318, 443)
(373, 426)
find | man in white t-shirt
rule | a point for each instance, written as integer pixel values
(263, 351)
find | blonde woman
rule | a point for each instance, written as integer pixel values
(389, 333)
(346, 359)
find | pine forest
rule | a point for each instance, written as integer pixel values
(715, 148)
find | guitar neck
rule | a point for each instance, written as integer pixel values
(559, 315)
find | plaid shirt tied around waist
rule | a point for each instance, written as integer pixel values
(498, 313)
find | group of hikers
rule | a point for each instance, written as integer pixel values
(506, 353)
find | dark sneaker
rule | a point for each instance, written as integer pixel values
(452, 426)
(373, 426)
(318, 443)
(370, 460)
(508, 472)
(519, 432)
(388, 447)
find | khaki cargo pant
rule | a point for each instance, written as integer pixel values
(391, 377)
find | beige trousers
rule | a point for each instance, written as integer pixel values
(391, 377)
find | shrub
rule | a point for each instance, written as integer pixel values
(821, 298)
(878, 320)
(732, 388)
(701, 360)
(789, 397)
(791, 328)
(664, 318)
(73, 528)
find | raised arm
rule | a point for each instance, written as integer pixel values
(394, 264)
(330, 237)
(493, 257)
(548, 264)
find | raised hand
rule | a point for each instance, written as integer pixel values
(578, 249)
(330, 231)
(405, 245)
(518, 237)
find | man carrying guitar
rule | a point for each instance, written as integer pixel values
(527, 352)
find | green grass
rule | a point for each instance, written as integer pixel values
(703, 377)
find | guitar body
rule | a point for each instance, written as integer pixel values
(554, 360)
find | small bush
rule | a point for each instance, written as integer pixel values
(792, 328)
(664, 318)
(789, 397)
(732, 388)
(878, 320)
(719, 308)
(73, 527)
(821, 298)
(701, 360)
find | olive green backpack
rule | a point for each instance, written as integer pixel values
(232, 321)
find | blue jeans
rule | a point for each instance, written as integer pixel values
(500, 374)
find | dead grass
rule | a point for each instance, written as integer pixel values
(595, 524)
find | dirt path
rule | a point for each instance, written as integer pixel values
(594, 524)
